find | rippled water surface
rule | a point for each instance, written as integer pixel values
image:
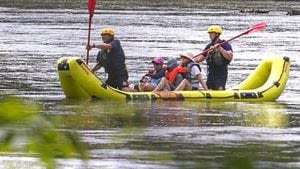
(160, 134)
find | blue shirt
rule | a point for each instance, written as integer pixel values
(115, 59)
(158, 74)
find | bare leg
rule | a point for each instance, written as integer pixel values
(221, 88)
(148, 87)
(184, 85)
(131, 87)
(127, 89)
(163, 82)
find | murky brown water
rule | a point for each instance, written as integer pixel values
(160, 134)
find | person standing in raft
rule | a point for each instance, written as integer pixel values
(112, 58)
(217, 59)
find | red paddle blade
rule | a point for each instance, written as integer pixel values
(257, 27)
(91, 7)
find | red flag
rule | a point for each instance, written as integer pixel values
(91, 7)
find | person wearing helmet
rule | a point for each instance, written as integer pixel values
(111, 56)
(217, 59)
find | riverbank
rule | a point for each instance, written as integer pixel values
(278, 5)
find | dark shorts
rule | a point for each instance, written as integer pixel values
(216, 84)
(195, 88)
(118, 82)
(216, 79)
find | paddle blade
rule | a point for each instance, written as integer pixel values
(91, 7)
(257, 27)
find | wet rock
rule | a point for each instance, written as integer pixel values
(293, 12)
(252, 10)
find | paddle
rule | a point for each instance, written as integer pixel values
(91, 8)
(256, 27)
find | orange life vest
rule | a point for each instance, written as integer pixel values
(171, 75)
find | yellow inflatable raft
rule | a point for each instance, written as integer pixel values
(266, 83)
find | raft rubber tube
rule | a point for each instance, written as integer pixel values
(266, 83)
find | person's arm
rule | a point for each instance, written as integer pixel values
(199, 58)
(201, 81)
(196, 71)
(228, 54)
(103, 46)
(157, 75)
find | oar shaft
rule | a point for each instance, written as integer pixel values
(88, 42)
(91, 8)
(256, 27)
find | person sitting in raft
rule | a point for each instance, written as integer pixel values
(193, 75)
(174, 75)
(152, 78)
(190, 71)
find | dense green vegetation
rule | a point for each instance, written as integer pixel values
(23, 129)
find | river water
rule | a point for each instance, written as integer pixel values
(160, 134)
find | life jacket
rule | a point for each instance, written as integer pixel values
(171, 75)
(216, 58)
(188, 74)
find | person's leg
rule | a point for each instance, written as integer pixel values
(184, 85)
(164, 81)
(216, 82)
(148, 87)
(210, 83)
(220, 85)
(122, 84)
(188, 86)
(178, 79)
(169, 86)
(134, 87)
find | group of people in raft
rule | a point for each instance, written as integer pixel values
(185, 75)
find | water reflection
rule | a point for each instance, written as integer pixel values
(181, 134)
(107, 114)
(218, 114)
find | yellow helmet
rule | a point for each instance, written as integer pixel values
(108, 31)
(215, 29)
